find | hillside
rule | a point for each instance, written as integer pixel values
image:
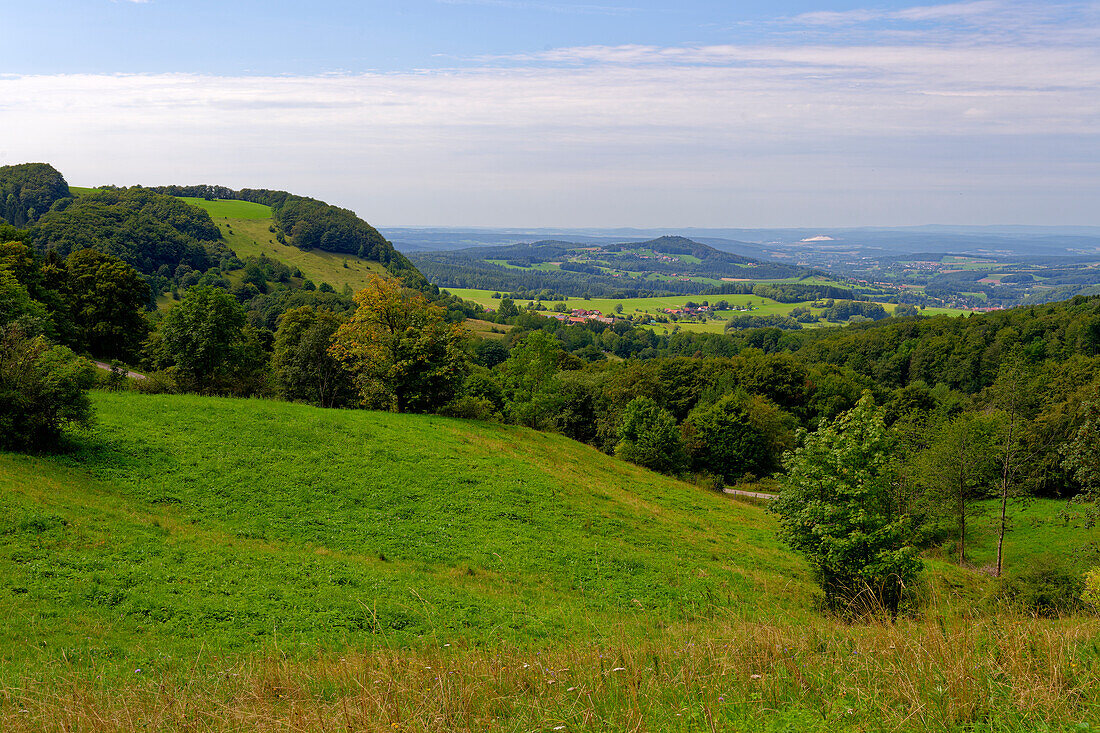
(663, 266)
(247, 227)
(186, 521)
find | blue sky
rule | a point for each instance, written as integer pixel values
(569, 113)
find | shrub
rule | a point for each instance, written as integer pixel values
(1045, 588)
(1091, 594)
(43, 389)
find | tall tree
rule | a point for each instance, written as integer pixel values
(303, 367)
(722, 438)
(649, 436)
(106, 299)
(404, 354)
(838, 507)
(204, 339)
(1012, 395)
(959, 466)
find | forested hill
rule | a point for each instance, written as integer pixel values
(309, 223)
(29, 190)
(152, 228)
(661, 266)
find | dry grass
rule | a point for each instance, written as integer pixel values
(990, 675)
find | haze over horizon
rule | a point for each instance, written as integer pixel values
(565, 114)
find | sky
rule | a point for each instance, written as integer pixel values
(571, 113)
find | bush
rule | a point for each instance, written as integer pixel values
(43, 389)
(1046, 588)
(1091, 594)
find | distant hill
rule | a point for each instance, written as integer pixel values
(29, 190)
(158, 227)
(665, 265)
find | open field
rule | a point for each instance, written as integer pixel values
(230, 209)
(1037, 527)
(226, 565)
(653, 306)
(231, 525)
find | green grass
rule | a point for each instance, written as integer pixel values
(1036, 527)
(224, 565)
(230, 209)
(252, 238)
(188, 522)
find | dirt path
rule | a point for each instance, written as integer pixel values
(107, 367)
(750, 494)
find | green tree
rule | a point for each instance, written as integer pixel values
(722, 439)
(205, 342)
(1013, 394)
(648, 436)
(1081, 456)
(404, 354)
(302, 365)
(106, 300)
(43, 389)
(528, 377)
(16, 304)
(959, 466)
(508, 308)
(837, 506)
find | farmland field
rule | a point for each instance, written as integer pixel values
(654, 306)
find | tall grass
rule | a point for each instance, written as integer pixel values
(996, 674)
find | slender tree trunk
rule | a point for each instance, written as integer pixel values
(962, 518)
(1005, 475)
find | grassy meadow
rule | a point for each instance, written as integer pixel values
(253, 238)
(188, 522)
(230, 208)
(210, 564)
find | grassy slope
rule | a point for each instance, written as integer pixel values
(244, 225)
(248, 234)
(188, 521)
(1036, 527)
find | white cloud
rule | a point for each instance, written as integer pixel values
(916, 14)
(930, 129)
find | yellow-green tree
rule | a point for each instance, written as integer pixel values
(404, 354)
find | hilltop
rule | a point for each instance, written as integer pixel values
(665, 265)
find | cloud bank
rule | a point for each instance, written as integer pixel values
(938, 126)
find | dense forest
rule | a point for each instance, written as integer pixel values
(28, 191)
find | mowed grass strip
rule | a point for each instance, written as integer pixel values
(230, 208)
(185, 521)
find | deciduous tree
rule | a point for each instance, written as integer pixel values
(838, 507)
(405, 356)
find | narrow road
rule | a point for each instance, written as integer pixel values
(107, 367)
(750, 494)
